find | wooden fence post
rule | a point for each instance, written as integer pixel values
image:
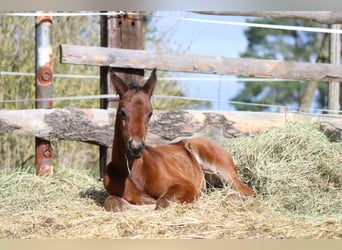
(105, 88)
(44, 88)
(335, 58)
(120, 30)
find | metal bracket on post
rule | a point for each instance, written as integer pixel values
(44, 88)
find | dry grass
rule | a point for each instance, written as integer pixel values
(295, 170)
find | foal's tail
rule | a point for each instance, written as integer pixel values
(216, 160)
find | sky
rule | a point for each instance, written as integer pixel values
(203, 39)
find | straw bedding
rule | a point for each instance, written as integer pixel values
(294, 169)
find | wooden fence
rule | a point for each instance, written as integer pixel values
(96, 126)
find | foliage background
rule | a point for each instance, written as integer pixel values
(287, 45)
(17, 53)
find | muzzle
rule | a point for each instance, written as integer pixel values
(135, 148)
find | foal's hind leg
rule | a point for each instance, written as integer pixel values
(215, 159)
(183, 193)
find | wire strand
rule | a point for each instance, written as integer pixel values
(244, 24)
(266, 26)
(114, 97)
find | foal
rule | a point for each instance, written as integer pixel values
(141, 176)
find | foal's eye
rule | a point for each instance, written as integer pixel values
(150, 115)
(123, 114)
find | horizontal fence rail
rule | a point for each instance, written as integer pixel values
(140, 59)
(96, 126)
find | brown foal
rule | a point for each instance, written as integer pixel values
(141, 176)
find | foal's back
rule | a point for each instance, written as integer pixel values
(194, 157)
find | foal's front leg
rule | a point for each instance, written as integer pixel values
(131, 198)
(117, 204)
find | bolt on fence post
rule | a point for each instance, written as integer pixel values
(44, 87)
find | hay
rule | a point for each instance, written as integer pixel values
(299, 196)
(294, 167)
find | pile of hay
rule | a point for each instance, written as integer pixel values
(294, 169)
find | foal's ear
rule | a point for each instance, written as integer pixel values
(151, 82)
(119, 85)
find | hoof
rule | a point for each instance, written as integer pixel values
(162, 203)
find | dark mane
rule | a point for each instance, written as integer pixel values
(134, 86)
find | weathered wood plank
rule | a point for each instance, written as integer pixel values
(87, 125)
(96, 125)
(140, 59)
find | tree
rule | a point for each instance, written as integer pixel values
(285, 45)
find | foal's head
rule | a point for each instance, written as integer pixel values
(134, 112)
